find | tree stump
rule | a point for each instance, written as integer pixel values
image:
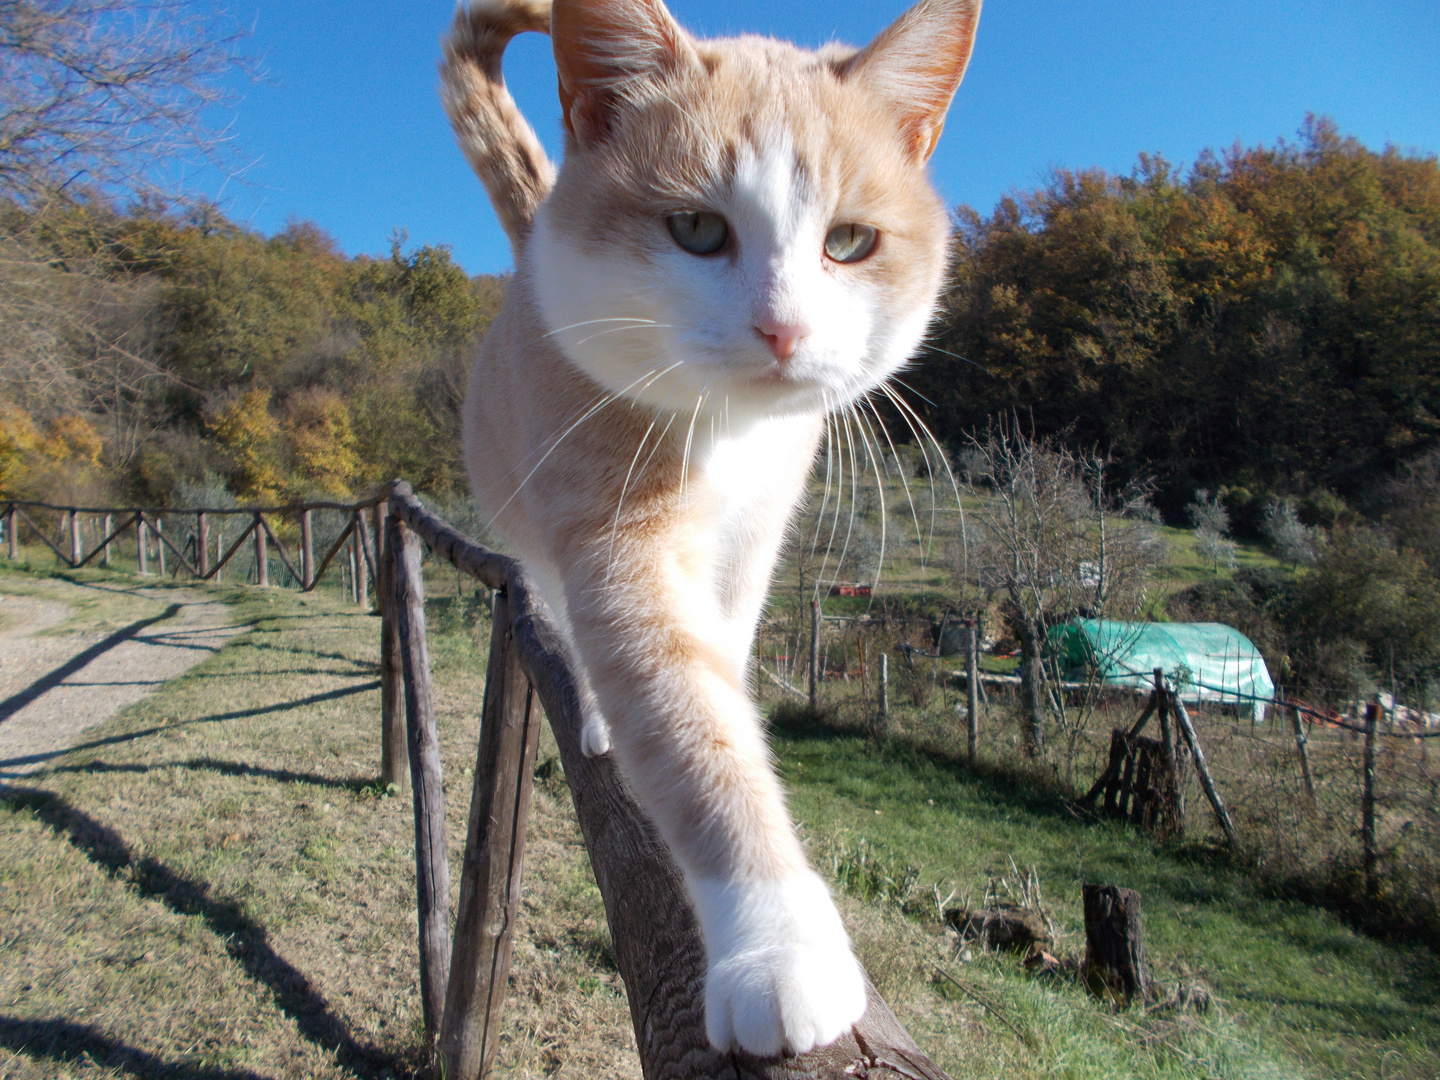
(1115, 965)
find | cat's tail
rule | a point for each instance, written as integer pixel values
(501, 146)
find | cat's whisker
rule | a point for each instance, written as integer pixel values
(829, 469)
(861, 425)
(600, 404)
(690, 438)
(899, 468)
(907, 408)
(618, 329)
(592, 322)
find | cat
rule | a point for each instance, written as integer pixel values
(742, 239)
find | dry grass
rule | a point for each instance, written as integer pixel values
(212, 886)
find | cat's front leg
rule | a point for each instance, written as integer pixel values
(781, 975)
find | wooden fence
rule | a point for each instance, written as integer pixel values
(464, 973)
(193, 553)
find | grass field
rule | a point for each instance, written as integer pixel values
(212, 886)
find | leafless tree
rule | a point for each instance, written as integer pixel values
(1055, 538)
(105, 94)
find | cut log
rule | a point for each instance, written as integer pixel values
(1115, 966)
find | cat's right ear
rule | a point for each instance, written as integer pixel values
(603, 48)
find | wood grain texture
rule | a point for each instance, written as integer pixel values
(432, 867)
(494, 858)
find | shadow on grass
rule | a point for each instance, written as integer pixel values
(61, 1041)
(238, 714)
(354, 784)
(245, 939)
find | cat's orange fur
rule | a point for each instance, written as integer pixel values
(641, 419)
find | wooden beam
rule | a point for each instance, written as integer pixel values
(262, 556)
(494, 858)
(329, 555)
(1203, 771)
(394, 755)
(110, 535)
(307, 551)
(432, 868)
(202, 544)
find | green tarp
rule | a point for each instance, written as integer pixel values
(1201, 661)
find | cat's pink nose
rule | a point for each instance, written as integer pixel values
(783, 338)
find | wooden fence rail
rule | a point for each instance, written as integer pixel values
(657, 944)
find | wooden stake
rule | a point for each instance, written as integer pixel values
(262, 554)
(202, 544)
(1302, 744)
(432, 868)
(105, 554)
(815, 655)
(307, 550)
(1170, 819)
(160, 544)
(1203, 770)
(362, 586)
(972, 677)
(1368, 847)
(494, 862)
(76, 552)
(11, 540)
(142, 556)
(394, 756)
(884, 691)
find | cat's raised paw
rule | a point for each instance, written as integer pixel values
(781, 974)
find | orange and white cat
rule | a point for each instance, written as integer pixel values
(741, 239)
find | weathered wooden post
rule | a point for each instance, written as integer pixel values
(1202, 770)
(219, 554)
(394, 763)
(815, 618)
(1368, 848)
(142, 556)
(12, 519)
(353, 565)
(884, 692)
(972, 677)
(432, 868)
(76, 554)
(1170, 819)
(105, 554)
(160, 543)
(494, 848)
(307, 549)
(1302, 744)
(262, 554)
(362, 586)
(1114, 944)
(202, 544)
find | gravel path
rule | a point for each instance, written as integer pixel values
(55, 686)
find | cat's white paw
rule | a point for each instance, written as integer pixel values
(594, 735)
(781, 974)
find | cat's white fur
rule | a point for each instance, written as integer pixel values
(642, 420)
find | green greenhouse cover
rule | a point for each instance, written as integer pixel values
(1202, 661)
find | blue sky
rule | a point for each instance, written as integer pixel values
(345, 128)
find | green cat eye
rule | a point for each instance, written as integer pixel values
(699, 231)
(850, 243)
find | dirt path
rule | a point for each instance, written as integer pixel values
(54, 685)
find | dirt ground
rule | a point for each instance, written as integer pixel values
(70, 659)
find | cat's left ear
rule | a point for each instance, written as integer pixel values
(916, 65)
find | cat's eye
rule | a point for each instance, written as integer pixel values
(699, 231)
(849, 243)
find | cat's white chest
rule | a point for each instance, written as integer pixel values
(758, 473)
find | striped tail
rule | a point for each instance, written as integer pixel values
(499, 143)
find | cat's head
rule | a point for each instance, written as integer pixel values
(742, 227)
